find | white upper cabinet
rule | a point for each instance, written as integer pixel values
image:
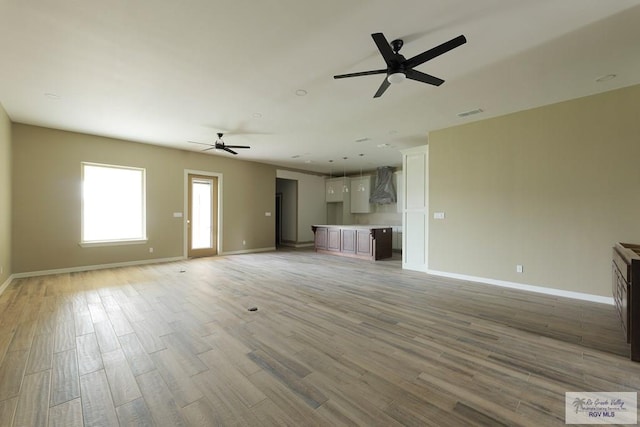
(336, 189)
(360, 192)
(399, 190)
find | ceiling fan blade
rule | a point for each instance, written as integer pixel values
(385, 84)
(424, 78)
(237, 146)
(225, 148)
(201, 143)
(383, 46)
(362, 73)
(436, 51)
(210, 148)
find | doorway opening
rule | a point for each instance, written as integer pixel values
(202, 215)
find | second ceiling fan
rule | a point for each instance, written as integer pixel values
(400, 68)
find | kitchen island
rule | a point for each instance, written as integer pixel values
(372, 242)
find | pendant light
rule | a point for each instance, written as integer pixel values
(361, 186)
(330, 189)
(345, 189)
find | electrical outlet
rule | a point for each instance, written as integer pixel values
(150, 250)
(519, 268)
(244, 242)
(1, 269)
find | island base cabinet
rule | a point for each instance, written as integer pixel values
(364, 243)
(349, 241)
(333, 239)
(320, 238)
(354, 241)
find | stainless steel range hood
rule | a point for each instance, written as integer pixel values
(384, 192)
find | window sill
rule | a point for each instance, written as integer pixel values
(113, 243)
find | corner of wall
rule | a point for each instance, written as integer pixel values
(5, 199)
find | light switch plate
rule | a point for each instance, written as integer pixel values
(438, 215)
(177, 214)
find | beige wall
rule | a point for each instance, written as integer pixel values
(5, 196)
(46, 198)
(551, 188)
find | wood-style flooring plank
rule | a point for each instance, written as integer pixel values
(139, 360)
(135, 413)
(33, 404)
(41, 354)
(176, 377)
(159, 400)
(122, 384)
(65, 381)
(97, 405)
(89, 359)
(64, 336)
(201, 414)
(107, 339)
(67, 414)
(7, 410)
(11, 373)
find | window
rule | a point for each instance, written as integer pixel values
(113, 204)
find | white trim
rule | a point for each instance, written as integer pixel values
(185, 230)
(7, 282)
(94, 267)
(414, 267)
(523, 287)
(98, 243)
(249, 251)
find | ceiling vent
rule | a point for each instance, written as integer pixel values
(470, 112)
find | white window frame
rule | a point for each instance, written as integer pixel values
(115, 242)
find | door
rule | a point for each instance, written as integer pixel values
(202, 216)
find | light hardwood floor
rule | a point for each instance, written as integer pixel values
(335, 341)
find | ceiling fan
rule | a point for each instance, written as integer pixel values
(220, 145)
(399, 68)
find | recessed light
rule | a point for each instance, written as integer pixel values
(307, 161)
(301, 92)
(385, 145)
(52, 96)
(256, 115)
(362, 139)
(393, 132)
(297, 156)
(606, 78)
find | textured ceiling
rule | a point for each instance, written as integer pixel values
(168, 72)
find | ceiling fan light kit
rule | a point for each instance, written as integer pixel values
(396, 78)
(399, 68)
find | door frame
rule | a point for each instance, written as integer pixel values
(185, 228)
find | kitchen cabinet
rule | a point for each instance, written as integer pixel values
(399, 190)
(360, 192)
(360, 241)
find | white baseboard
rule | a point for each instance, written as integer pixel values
(94, 267)
(249, 251)
(530, 288)
(415, 267)
(6, 283)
